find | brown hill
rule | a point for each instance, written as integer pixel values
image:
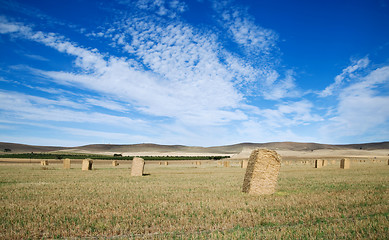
(23, 148)
(165, 149)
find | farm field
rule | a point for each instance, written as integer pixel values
(186, 201)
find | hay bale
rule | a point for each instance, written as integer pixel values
(388, 161)
(325, 163)
(160, 163)
(345, 163)
(333, 162)
(45, 162)
(138, 165)
(243, 163)
(166, 163)
(318, 163)
(262, 172)
(226, 164)
(115, 163)
(87, 164)
(66, 163)
(198, 163)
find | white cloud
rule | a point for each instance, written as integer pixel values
(178, 72)
(259, 47)
(275, 87)
(169, 8)
(184, 81)
(104, 136)
(21, 106)
(290, 114)
(188, 82)
(36, 57)
(7, 27)
(255, 129)
(255, 39)
(346, 73)
(107, 104)
(362, 107)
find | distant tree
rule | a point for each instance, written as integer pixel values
(117, 155)
(7, 150)
(59, 157)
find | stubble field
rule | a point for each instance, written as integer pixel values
(185, 201)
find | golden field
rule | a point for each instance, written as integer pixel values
(186, 201)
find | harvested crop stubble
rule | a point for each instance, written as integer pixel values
(183, 202)
(262, 172)
(137, 167)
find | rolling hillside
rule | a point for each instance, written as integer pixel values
(147, 147)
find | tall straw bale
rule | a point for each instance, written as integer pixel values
(244, 163)
(137, 167)
(318, 163)
(388, 161)
(345, 163)
(66, 163)
(198, 163)
(325, 163)
(44, 162)
(87, 164)
(115, 163)
(262, 172)
(226, 164)
(166, 163)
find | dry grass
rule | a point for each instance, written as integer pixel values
(188, 202)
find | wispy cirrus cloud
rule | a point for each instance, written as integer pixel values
(254, 39)
(363, 105)
(178, 71)
(162, 92)
(346, 73)
(258, 45)
(21, 106)
(170, 8)
(36, 57)
(181, 81)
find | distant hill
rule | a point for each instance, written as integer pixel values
(23, 148)
(148, 147)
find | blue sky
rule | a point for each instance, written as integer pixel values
(199, 72)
